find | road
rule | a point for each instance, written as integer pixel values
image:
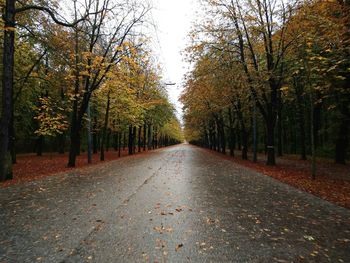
(177, 204)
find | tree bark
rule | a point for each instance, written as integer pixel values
(279, 129)
(39, 146)
(130, 144)
(149, 134)
(7, 90)
(139, 139)
(134, 130)
(144, 136)
(104, 134)
(119, 143)
(94, 137)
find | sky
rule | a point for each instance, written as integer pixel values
(173, 20)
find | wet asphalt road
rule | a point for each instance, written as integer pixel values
(179, 204)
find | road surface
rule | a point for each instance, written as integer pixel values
(177, 204)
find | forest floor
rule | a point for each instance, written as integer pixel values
(31, 167)
(332, 181)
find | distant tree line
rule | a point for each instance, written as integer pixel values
(271, 76)
(87, 84)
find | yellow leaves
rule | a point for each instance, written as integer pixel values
(50, 117)
(84, 73)
(8, 28)
(284, 88)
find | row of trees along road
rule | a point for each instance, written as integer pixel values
(271, 74)
(79, 77)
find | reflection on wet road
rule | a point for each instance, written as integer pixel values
(178, 204)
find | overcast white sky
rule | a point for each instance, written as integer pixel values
(173, 19)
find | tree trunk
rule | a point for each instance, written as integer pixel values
(94, 137)
(299, 91)
(279, 132)
(221, 130)
(124, 141)
(317, 122)
(104, 134)
(116, 141)
(39, 146)
(7, 90)
(144, 136)
(119, 143)
(139, 139)
(75, 125)
(149, 140)
(74, 144)
(130, 146)
(134, 140)
(89, 137)
(270, 140)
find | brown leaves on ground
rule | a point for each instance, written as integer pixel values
(161, 229)
(332, 180)
(30, 167)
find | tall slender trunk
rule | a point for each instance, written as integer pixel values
(221, 130)
(89, 137)
(7, 90)
(104, 133)
(124, 140)
(232, 134)
(119, 143)
(244, 133)
(271, 118)
(144, 136)
(255, 134)
(74, 143)
(270, 141)
(149, 139)
(139, 139)
(313, 145)
(279, 132)
(94, 136)
(134, 140)
(39, 145)
(75, 125)
(130, 140)
(301, 118)
(116, 141)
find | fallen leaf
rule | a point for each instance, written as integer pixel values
(178, 247)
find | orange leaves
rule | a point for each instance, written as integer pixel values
(51, 118)
(297, 173)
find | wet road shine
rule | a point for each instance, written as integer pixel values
(178, 204)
